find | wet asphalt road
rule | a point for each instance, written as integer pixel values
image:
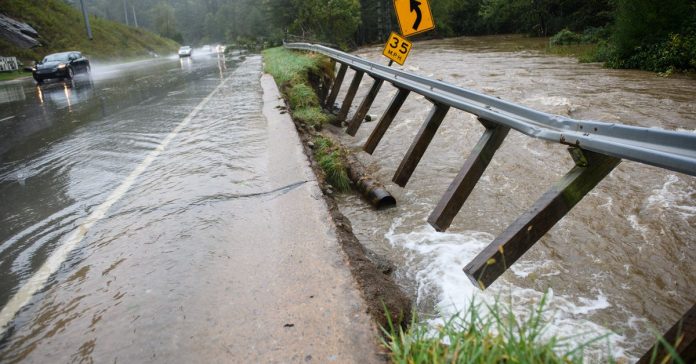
(55, 136)
(65, 151)
(151, 215)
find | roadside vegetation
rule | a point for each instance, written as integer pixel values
(646, 35)
(61, 27)
(292, 72)
(485, 333)
(492, 333)
(11, 75)
(332, 160)
(297, 75)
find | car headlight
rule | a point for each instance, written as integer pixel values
(61, 66)
(33, 69)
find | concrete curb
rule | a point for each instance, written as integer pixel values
(325, 303)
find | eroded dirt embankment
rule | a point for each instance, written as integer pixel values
(372, 273)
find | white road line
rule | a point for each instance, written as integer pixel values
(38, 280)
(7, 118)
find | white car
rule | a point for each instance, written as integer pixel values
(185, 51)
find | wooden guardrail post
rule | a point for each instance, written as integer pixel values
(350, 95)
(329, 102)
(460, 189)
(385, 121)
(364, 108)
(682, 337)
(420, 144)
(497, 257)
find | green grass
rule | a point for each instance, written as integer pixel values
(6, 76)
(585, 53)
(61, 27)
(492, 333)
(286, 65)
(291, 71)
(332, 161)
(301, 95)
(312, 116)
(484, 333)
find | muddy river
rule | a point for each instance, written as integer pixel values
(620, 263)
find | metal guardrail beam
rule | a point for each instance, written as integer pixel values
(671, 150)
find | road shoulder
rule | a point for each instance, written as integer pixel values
(325, 305)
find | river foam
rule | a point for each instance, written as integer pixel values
(435, 261)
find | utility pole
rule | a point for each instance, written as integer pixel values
(84, 13)
(125, 12)
(380, 28)
(135, 18)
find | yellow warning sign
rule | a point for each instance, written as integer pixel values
(397, 48)
(414, 16)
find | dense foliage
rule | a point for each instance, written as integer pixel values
(654, 35)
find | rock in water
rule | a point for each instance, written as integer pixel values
(18, 33)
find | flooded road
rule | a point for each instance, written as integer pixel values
(153, 148)
(622, 261)
(165, 212)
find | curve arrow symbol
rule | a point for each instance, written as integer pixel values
(415, 6)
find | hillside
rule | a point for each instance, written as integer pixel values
(61, 27)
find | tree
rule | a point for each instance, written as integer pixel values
(164, 20)
(642, 22)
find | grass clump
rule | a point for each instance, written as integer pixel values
(291, 71)
(489, 333)
(6, 76)
(331, 159)
(312, 116)
(290, 67)
(301, 95)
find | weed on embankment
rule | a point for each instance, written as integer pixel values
(485, 333)
(291, 71)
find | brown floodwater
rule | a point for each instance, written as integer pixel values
(621, 262)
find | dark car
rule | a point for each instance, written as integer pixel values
(61, 65)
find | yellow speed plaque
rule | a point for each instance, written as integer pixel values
(397, 48)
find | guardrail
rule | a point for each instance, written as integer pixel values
(596, 147)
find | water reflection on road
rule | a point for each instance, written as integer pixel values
(65, 147)
(622, 260)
